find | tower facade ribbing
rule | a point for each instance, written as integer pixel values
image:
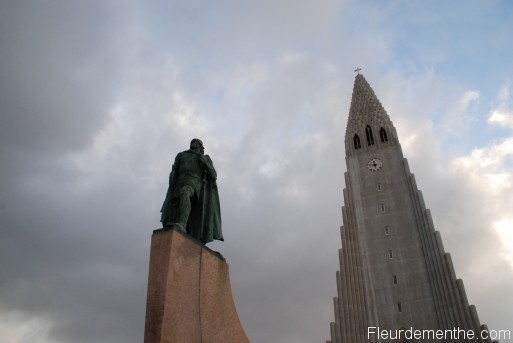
(394, 272)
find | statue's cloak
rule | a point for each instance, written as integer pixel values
(204, 222)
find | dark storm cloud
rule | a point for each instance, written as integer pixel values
(59, 64)
(60, 61)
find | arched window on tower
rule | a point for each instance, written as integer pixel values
(356, 141)
(383, 135)
(370, 136)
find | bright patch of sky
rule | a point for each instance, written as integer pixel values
(32, 330)
(453, 38)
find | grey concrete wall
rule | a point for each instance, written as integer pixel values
(430, 295)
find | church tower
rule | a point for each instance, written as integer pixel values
(394, 273)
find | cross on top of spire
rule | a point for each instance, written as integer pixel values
(357, 70)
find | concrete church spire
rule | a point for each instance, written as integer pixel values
(394, 272)
(366, 112)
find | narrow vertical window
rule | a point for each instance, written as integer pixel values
(390, 254)
(394, 278)
(399, 307)
(387, 230)
(369, 135)
(383, 135)
(378, 186)
(382, 206)
(357, 143)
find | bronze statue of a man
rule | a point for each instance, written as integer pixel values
(192, 200)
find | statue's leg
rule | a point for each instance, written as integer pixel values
(184, 207)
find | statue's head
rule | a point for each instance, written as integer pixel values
(197, 144)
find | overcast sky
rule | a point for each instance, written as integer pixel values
(97, 98)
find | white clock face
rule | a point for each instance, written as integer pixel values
(375, 164)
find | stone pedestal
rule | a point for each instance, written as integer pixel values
(189, 295)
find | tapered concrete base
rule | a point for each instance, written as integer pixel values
(189, 294)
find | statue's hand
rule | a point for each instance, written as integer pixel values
(203, 159)
(207, 163)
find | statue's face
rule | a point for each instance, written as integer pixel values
(198, 145)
